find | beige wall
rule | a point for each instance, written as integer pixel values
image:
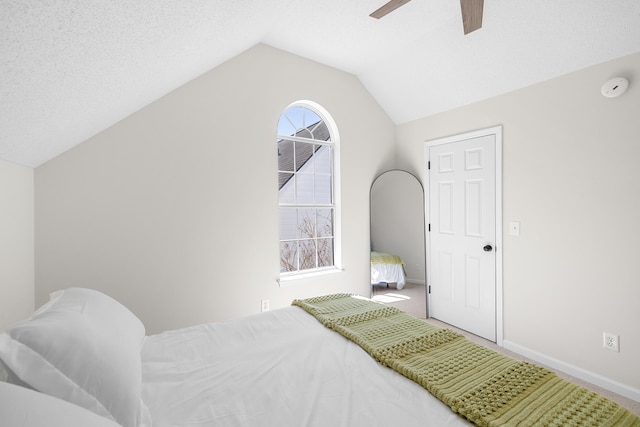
(173, 211)
(16, 243)
(571, 177)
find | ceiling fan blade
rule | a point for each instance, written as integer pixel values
(471, 14)
(388, 8)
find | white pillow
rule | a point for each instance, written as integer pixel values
(7, 376)
(4, 373)
(83, 347)
(28, 408)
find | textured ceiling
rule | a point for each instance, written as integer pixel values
(71, 68)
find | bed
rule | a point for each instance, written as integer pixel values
(92, 364)
(387, 269)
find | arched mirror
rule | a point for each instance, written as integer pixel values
(398, 273)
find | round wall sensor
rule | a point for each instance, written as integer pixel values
(614, 87)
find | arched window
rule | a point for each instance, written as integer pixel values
(307, 190)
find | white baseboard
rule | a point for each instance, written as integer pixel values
(417, 281)
(591, 377)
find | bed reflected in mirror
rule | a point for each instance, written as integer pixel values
(398, 242)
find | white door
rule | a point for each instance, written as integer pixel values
(462, 231)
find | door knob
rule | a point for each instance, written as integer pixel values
(487, 248)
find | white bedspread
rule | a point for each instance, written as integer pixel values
(281, 368)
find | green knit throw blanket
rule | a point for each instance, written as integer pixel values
(485, 387)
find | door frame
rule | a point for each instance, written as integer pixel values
(497, 132)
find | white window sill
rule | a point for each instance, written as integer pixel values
(292, 279)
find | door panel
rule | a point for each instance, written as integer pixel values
(446, 207)
(462, 216)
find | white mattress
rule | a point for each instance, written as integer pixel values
(280, 368)
(389, 273)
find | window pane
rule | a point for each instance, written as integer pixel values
(307, 223)
(285, 127)
(322, 160)
(325, 223)
(323, 189)
(320, 132)
(325, 252)
(284, 178)
(288, 223)
(287, 193)
(298, 118)
(304, 133)
(286, 155)
(303, 153)
(304, 188)
(307, 254)
(293, 117)
(288, 256)
(310, 118)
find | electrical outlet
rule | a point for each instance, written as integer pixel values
(611, 341)
(266, 305)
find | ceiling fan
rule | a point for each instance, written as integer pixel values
(471, 12)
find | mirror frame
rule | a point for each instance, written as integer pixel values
(424, 235)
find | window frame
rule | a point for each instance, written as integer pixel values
(291, 277)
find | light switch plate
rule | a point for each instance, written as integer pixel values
(514, 228)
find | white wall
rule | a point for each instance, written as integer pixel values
(571, 177)
(173, 211)
(16, 243)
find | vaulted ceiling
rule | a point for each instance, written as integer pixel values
(71, 68)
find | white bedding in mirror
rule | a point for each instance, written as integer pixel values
(388, 273)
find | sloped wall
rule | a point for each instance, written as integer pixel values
(173, 211)
(16, 243)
